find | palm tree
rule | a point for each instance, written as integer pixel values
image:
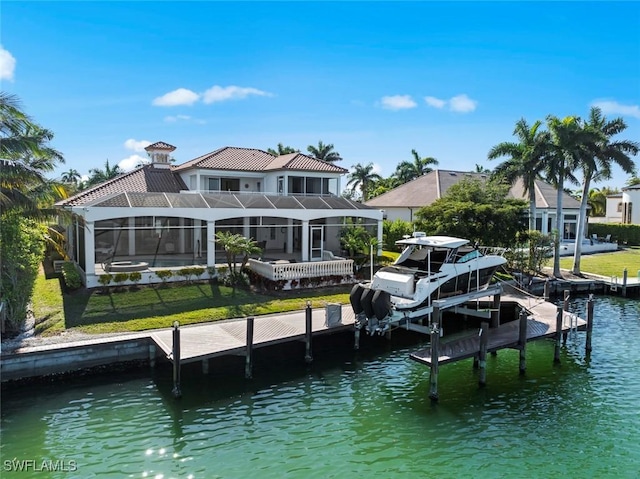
(481, 169)
(566, 146)
(25, 159)
(597, 201)
(362, 177)
(71, 177)
(527, 159)
(324, 152)
(596, 161)
(282, 150)
(98, 175)
(633, 181)
(407, 170)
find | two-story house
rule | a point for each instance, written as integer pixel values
(166, 216)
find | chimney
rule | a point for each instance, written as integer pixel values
(160, 154)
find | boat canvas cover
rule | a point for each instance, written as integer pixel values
(434, 241)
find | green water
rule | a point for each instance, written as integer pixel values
(349, 415)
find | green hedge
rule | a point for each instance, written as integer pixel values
(620, 233)
(22, 245)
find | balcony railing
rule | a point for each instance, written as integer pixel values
(284, 270)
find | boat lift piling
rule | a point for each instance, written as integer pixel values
(248, 366)
(589, 325)
(177, 392)
(436, 324)
(482, 353)
(308, 357)
(556, 352)
(522, 341)
(565, 310)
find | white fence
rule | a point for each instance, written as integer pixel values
(279, 270)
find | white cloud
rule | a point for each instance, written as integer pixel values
(136, 145)
(459, 103)
(173, 119)
(181, 96)
(218, 93)
(7, 64)
(398, 102)
(435, 102)
(615, 108)
(462, 104)
(132, 162)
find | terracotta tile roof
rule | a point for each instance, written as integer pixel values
(251, 159)
(146, 179)
(160, 145)
(301, 162)
(428, 188)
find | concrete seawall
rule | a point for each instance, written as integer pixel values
(45, 361)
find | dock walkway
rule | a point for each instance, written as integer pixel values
(203, 341)
(541, 323)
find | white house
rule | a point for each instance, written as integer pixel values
(404, 201)
(165, 216)
(620, 207)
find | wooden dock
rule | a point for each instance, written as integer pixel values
(203, 341)
(541, 323)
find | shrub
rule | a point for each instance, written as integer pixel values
(72, 279)
(135, 277)
(164, 275)
(105, 279)
(120, 278)
(22, 250)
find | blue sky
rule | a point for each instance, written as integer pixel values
(375, 79)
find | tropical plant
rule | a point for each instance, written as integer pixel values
(565, 148)
(324, 152)
(282, 150)
(362, 177)
(381, 186)
(98, 175)
(597, 201)
(235, 245)
(135, 277)
(477, 210)
(633, 181)
(407, 170)
(526, 160)
(596, 160)
(71, 177)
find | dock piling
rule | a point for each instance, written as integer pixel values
(589, 324)
(565, 310)
(556, 352)
(152, 356)
(547, 290)
(522, 341)
(248, 366)
(435, 352)
(177, 392)
(482, 354)
(624, 283)
(308, 334)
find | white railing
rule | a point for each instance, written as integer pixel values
(277, 271)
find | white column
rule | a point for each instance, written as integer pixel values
(211, 245)
(289, 236)
(379, 238)
(246, 225)
(305, 241)
(132, 236)
(545, 222)
(197, 233)
(89, 248)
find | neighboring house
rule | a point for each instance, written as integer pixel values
(620, 206)
(404, 201)
(161, 216)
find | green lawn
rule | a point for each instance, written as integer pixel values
(607, 264)
(148, 307)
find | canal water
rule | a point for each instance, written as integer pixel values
(349, 415)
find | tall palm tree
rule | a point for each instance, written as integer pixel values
(282, 150)
(407, 170)
(596, 161)
(362, 177)
(324, 152)
(71, 177)
(597, 201)
(566, 146)
(98, 175)
(633, 181)
(527, 159)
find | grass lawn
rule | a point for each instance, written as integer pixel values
(157, 307)
(607, 264)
